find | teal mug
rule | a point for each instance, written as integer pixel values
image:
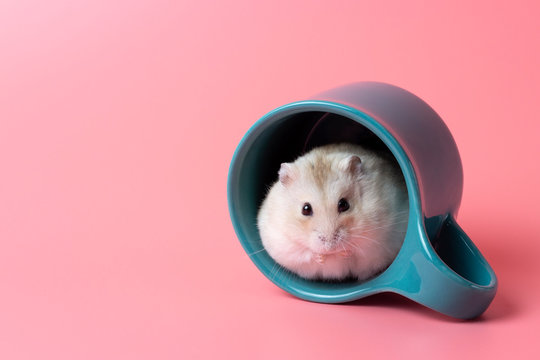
(438, 265)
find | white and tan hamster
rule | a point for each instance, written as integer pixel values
(339, 211)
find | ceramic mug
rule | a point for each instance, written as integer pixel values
(438, 265)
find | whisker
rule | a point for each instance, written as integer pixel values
(273, 269)
(365, 237)
(373, 241)
(256, 252)
(356, 247)
(350, 244)
(391, 216)
(288, 275)
(279, 267)
(386, 226)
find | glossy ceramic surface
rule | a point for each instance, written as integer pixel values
(438, 265)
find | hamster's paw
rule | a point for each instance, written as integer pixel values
(345, 253)
(320, 258)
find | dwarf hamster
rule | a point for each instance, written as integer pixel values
(340, 211)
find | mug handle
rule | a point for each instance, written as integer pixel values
(451, 277)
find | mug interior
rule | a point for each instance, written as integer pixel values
(283, 140)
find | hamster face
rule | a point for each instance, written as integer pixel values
(330, 217)
(324, 205)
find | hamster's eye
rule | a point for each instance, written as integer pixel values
(307, 210)
(343, 205)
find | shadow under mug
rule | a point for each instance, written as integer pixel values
(438, 265)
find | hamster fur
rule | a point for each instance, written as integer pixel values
(337, 212)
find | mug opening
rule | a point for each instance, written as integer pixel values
(283, 139)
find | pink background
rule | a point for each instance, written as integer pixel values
(117, 126)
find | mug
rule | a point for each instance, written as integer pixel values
(438, 265)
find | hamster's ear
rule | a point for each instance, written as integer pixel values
(286, 173)
(352, 164)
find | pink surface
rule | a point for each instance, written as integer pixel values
(117, 126)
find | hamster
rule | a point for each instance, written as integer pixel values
(337, 212)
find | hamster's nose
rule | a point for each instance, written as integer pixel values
(328, 241)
